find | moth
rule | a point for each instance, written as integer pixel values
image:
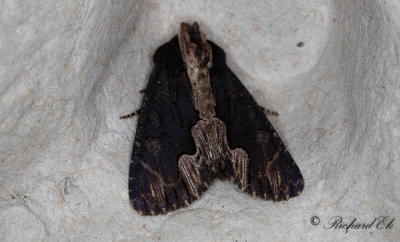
(197, 122)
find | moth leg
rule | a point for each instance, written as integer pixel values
(190, 168)
(137, 112)
(240, 162)
(269, 112)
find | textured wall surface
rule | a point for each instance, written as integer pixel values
(69, 69)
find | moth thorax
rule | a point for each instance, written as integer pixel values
(203, 98)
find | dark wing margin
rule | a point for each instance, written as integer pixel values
(162, 136)
(273, 174)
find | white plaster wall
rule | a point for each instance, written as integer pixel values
(69, 69)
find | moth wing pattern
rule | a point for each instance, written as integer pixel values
(168, 171)
(273, 174)
(162, 136)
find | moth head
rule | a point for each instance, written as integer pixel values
(195, 50)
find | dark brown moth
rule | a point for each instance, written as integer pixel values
(198, 122)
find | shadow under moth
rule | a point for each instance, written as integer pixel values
(197, 122)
